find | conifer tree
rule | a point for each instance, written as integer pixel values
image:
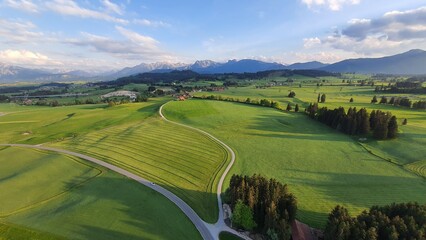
(323, 98)
(392, 127)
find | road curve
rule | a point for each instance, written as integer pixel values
(186, 209)
(207, 231)
(220, 225)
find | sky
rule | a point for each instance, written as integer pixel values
(104, 35)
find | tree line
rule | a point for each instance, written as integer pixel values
(383, 125)
(410, 86)
(261, 204)
(262, 102)
(395, 221)
(400, 101)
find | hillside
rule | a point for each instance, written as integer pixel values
(411, 62)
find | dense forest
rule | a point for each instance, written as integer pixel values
(263, 205)
(395, 221)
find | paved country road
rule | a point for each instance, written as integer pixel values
(207, 231)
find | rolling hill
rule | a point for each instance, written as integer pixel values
(411, 62)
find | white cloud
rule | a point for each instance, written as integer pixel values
(311, 42)
(15, 32)
(71, 8)
(24, 5)
(150, 23)
(396, 26)
(22, 55)
(135, 47)
(27, 58)
(391, 33)
(334, 5)
(112, 7)
(144, 41)
(369, 45)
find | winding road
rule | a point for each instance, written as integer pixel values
(208, 231)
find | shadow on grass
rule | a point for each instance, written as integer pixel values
(363, 190)
(313, 219)
(297, 126)
(120, 208)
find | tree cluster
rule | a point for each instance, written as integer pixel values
(4, 99)
(395, 221)
(419, 105)
(400, 101)
(273, 206)
(321, 97)
(353, 122)
(292, 94)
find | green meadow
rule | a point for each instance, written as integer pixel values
(131, 136)
(53, 196)
(180, 159)
(321, 166)
(408, 148)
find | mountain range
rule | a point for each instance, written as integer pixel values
(412, 62)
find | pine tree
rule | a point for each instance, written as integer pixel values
(319, 97)
(323, 98)
(338, 224)
(373, 120)
(363, 122)
(404, 122)
(380, 131)
(296, 108)
(288, 107)
(374, 100)
(392, 127)
(351, 100)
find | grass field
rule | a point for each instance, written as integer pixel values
(131, 136)
(35, 125)
(228, 236)
(322, 167)
(52, 196)
(181, 160)
(406, 149)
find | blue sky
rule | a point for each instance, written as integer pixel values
(111, 34)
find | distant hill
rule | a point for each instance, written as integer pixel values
(146, 67)
(10, 73)
(202, 66)
(14, 73)
(307, 65)
(238, 66)
(411, 62)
